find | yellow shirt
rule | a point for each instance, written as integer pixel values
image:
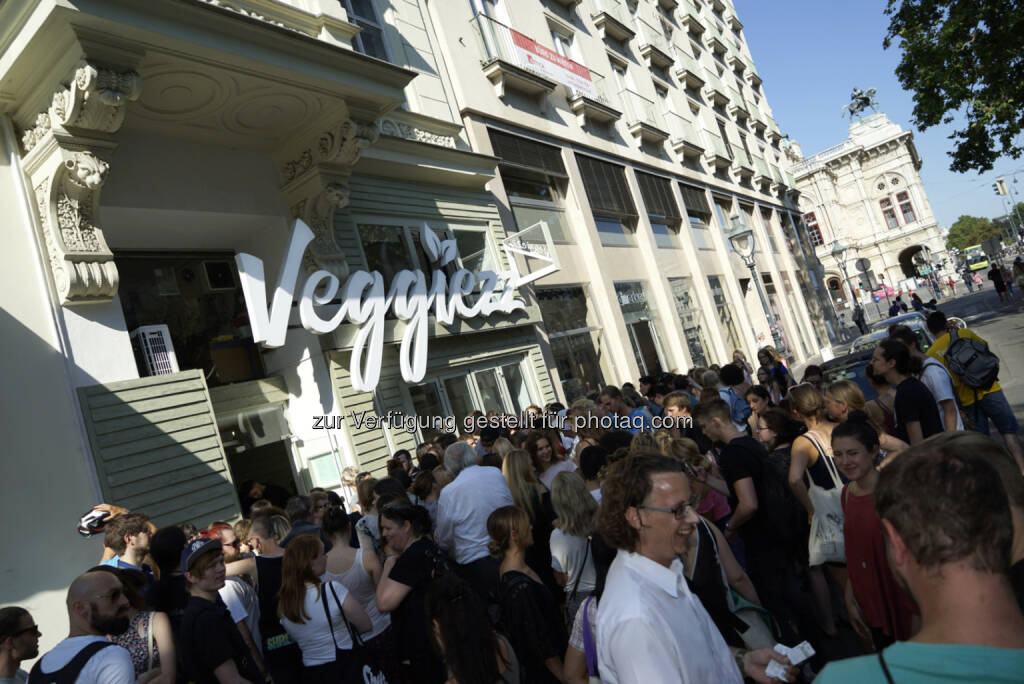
(965, 394)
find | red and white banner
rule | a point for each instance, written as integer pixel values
(547, 62)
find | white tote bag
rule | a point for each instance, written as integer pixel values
(825, 543)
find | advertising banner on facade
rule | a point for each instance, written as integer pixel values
(547, 62)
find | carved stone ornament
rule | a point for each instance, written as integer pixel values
(400, 129)
(80, 260)
(64, 157)
(342, 145)
(316, 185)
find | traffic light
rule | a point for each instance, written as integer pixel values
(999, 187)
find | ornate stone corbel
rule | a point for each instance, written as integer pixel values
(67, 197)
(65, 160)
(316, 185)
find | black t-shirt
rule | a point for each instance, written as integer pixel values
(210, 638)
(914, 402)
(1016, 574)
(531, 618)
(415, 569)
(741, 458)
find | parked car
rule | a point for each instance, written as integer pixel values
(851, 367)
(871, 340)
(902, 319)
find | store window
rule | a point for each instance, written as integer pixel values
(534, 178)
(198, 298)
(370, 40)
(813, 231)
(889, 213)
(390, 248)
(661, 207)
(455, 395)
(725, 319)
(906, 207)
(535, 197)
(692, 318)
(576, 340)
(641, 324)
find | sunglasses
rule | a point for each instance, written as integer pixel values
(34, 629)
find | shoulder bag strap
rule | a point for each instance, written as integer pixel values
(327, 613)
(149, 640)
(589, 647)
(576, 584)
(70, 672)
(357, 642)
(885, 668)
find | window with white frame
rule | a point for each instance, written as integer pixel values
(370, 40)
(390, 248)
(889, 213)
(563, 41)
(906, 207)
(503, 387)
(813, 231)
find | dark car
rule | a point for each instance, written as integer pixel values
(851, 367)
(902, 319)
(924, 338)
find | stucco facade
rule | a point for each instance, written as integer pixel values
(867, 193)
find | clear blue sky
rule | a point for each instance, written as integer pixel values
(811, 53)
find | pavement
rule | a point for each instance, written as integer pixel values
(999, 324)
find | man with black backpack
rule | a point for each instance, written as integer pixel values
(975, 370)
(97, 606)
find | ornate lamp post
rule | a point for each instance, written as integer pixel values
(741, 237)
(838, 251)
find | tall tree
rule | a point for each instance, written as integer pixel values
(970, 230)
(964, 57)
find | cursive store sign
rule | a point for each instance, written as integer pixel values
(412, 297)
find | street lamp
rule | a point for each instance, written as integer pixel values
(741, 237)
(838, 250)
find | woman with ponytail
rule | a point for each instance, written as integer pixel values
(880, 611)
(314, 613)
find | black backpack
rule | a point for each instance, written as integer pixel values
(777, 502)
(971, 361)
(69, 673)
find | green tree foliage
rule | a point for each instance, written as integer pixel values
(970, 230)
(964, 57)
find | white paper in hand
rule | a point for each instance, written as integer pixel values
(777, 670)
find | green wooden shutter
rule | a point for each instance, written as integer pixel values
(157, 449)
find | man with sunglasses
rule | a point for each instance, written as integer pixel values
(19, 640)
(650, 626)
(97, 607)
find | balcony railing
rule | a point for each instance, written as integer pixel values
(612, 20)
(716, 89)
(688, 68)
(718, 152)
(683, 136)
(642, 117)
(598, 106)
(761, 167)
(502, 61)
(742, 160)
(653, 46)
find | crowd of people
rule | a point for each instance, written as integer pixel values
(764, 514)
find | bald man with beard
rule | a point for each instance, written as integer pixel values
(97, 607)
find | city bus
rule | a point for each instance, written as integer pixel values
(976, 258)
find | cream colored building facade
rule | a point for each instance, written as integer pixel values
(867, 193)
(639, 170)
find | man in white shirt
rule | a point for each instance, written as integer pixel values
(935, 377)
(650, 627)
(97, 606)
(462, 512)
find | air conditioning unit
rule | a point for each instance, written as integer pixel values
(154, 351)
(219, 276)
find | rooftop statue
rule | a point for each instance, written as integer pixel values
(860, 100)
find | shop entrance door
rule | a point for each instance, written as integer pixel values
(646, 348)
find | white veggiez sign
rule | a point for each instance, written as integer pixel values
(364, 302)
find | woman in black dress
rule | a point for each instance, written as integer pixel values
(412, 560)
(530, 616)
